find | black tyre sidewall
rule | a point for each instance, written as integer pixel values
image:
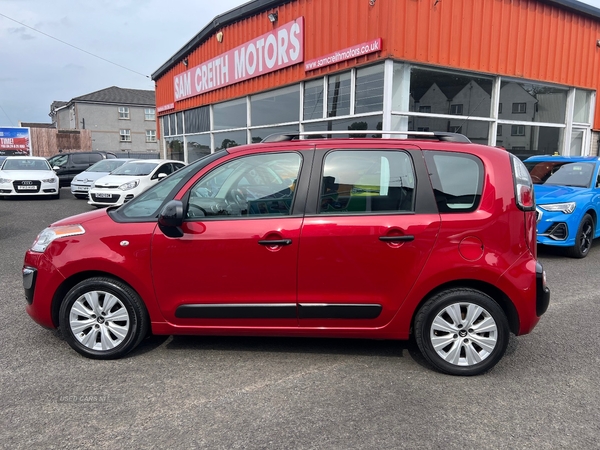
(138, 323)
(575, 251)
(436, 304)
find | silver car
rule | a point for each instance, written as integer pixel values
(80, 186)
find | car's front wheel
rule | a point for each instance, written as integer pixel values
(583, 238)
(462, 332)
(103, 318)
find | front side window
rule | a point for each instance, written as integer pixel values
(123, 112)
(252, 186)
(125, 135)
(457, 180)
(355, 182)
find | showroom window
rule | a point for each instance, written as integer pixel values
(197, 120)
(230, 115)
(313, 99)
(369, 89)
(197, 146)
(338, 94)
(279, 106)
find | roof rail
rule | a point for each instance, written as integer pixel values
(438, 135)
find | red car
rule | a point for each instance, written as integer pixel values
(364, 238)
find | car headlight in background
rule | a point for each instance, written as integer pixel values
(130, 185)
(49, 180)
(51, 233)
(565, 208)
(5, 180)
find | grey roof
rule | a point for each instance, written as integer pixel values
(119, 96)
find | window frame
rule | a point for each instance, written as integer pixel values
(124, 135)
(124, 113)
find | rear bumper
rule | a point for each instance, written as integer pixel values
(542, 290)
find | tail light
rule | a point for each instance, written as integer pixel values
(524, 195)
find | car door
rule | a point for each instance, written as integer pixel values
(235, 265)
(370, 225)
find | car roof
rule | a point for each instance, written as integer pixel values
(371, 144)
(560, 158)
(26, 157)
(159, 161)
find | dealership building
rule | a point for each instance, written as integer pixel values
(518, 74)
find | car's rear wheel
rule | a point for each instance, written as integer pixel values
(583, 238)
(103, 318)
(462, 332)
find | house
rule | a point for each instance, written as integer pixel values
(120, 120)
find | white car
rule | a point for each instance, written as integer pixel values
(27, 175)
(81, 184)
(130, 180)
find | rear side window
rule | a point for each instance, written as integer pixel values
(457, 180)
(80, 159)
(94, 157)
(373, 181)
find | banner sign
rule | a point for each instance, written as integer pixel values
(15, 141)
(343, 55)
(282, 47)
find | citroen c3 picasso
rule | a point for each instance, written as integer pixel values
(430, 237)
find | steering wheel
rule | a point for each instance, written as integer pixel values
(195, 211)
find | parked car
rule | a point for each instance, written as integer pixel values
(27, 175)
(67, 165)
(129, 180)
(81, 184)
(362, 238)
(567, 194)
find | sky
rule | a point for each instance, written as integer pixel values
(61, 49)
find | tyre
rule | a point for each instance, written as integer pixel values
(103, 318)
(462, 332)
(583, 238)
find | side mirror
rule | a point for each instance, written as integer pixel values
(170, 219)
(161, 175)
(56, 168)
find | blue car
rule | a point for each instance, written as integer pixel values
(567, 197)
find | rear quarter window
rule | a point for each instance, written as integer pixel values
(457, 180)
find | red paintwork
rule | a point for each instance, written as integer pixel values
(331, 259)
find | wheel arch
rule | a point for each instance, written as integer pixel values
(70, 282)
(492, 291)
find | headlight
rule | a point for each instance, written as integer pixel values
(49, 234)
(565, 208)
(49, 180)
(130, 185)
(5, 180)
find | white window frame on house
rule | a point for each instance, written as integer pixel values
(150, 135)
(517, 130)
(124, 135)
(456, 109)
(150, 114)
(123, 112)
(519, 108)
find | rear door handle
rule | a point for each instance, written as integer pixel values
(407, 238)
(273, 242)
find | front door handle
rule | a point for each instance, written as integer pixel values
(274, 242)
(406, 238)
